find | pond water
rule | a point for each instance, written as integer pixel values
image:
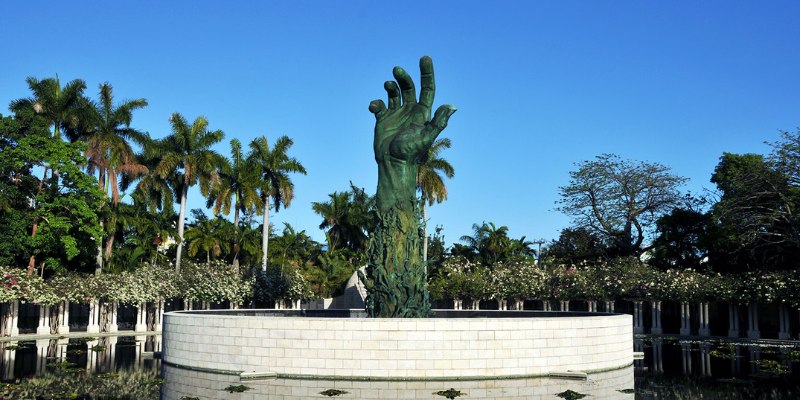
(671, 369)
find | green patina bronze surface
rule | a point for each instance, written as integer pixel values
(404, 131)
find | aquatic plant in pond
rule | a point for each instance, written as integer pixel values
(237, 388)
(570, 395)
(450, 393)
(332, 392)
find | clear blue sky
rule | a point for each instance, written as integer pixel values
(539, 85)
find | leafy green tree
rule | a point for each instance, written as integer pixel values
(756, 225)
(684, 240)
(436, 250)
(61, 211)
(107, 134)
(620, 200)
(17, 186)
(430, 182)
(237, 189)
(785, 156)
(186, 155)
(273, 167)
(575, 246)
(60, 107)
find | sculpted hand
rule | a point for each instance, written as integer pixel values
(405, 131)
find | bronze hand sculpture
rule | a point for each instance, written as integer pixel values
(404, 131)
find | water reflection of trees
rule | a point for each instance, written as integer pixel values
(716, 369)
(95, 355)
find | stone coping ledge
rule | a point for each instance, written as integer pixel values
(358, 313)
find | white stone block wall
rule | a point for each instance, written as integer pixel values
(408, 348)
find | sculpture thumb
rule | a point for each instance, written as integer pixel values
(440, 118)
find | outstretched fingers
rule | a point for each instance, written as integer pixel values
(428, 89)
(394, 94)
(406, 85)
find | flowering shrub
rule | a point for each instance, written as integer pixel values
(685, 285)
(615, 277)
(13, 284)
(449, 283)
(517, 280)
(625, 278)
(17, 284)
(564, 283)
(74, 288)
(213, 282)
(640, 282)
(279, 283)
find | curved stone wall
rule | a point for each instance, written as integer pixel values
(253, 341)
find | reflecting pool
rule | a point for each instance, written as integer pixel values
(671, 369)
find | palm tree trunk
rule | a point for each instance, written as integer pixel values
(236, 239)
(265, 234)
(425, 233)
(181, 217)
(98, 260)
(109, 247)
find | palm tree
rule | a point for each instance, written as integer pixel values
(110, 153)
(250, 243)
(237, 188)
(431, 183)
(346, 219)
(207, 236)
(143, 231)
(152, 191)
(273, 167)
(488, 242)
(294, 247)
(186, 154)
(60, 107)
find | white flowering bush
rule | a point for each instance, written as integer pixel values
(517, 280)
(214, 282)
(614, 276)
(685, 285)
(299, 288)
(450, 282)
(75, 288)
(566, 283)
